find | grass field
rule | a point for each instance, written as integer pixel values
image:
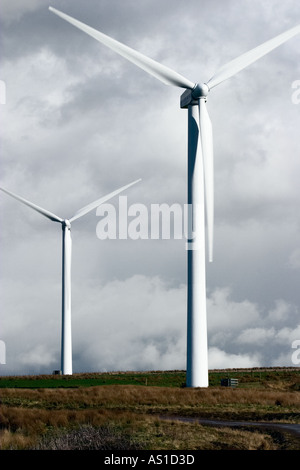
(130, 410)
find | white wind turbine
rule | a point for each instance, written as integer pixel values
(200, 177)
(66, 333)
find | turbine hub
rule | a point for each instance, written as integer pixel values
(192, 97)
(66, 224)
(200, 91)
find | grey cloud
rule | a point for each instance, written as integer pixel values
(80, 122)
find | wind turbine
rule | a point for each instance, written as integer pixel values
(200, 177)
(66, 334)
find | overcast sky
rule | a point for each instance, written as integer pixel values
(79, 122)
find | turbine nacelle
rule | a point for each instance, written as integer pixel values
(191, 97)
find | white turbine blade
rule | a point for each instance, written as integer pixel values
(159, 71)
(248, 58)
(42, 211)
(206, 140)
(100, 201)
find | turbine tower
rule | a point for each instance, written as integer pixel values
(200, 177)
(66, 332)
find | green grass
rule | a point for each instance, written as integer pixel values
(163, 379)
(247, 379)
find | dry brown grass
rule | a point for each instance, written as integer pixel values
(26, 415)
(28, 430)
(158, 400)
(139, 395)
(15, 440)
(181, 436)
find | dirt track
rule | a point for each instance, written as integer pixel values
(286, 427)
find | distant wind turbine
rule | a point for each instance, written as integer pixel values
(200, 177)
(66, 334)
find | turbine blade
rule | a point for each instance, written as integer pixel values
(159, 71)
(233, 67)
(206, 139)
(42, 211)
(100, 201)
